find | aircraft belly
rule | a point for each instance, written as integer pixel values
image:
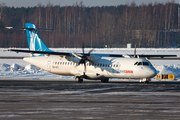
(61, 70)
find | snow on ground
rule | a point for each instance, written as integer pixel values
(18, 69)
(167, 67)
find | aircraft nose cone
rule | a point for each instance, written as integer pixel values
(153, 72)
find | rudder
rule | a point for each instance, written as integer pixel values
(34, 41)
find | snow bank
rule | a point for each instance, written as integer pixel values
(16, 67)
(29, 71)
(4, 67)
(16, 71)
(169, 69)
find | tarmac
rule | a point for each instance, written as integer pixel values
(90, 100)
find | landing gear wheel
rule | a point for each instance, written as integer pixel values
(146, 82)
(79, 79)
(105, 80)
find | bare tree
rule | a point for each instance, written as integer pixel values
(2, 11)
(95, 18)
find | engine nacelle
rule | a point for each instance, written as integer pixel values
(73, 59)
(94, 57)
(77, 60)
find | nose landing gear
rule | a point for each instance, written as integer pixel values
(145, 80)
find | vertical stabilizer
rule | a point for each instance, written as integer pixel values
(34, 41)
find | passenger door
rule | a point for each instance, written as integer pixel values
(49, 66)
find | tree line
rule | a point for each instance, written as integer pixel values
(152, 25)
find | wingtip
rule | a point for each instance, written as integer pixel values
(6, 50)
(9, 27)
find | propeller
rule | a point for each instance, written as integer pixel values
(84, 58)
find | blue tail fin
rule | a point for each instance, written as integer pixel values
(34, 41)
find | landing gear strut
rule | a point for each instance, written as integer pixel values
(145, 80)
(79, 79)
(105, 80)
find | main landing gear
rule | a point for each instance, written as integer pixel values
(79, 79)
(105, 80)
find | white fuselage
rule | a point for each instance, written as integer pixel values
(105, 67)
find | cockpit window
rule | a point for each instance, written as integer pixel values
(146, 63)
(135, 63)
(140, 63)
(149, 63)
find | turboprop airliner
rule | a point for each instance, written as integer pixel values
(84, 65)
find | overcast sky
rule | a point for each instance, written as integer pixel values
(31, 3)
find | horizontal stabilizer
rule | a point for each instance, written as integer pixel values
(23, 28)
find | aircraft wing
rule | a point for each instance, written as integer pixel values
(60, 53)
(155, 56)
(141, 56)
(100, 55)
(40, 52)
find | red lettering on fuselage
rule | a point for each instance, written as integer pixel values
(128, 71)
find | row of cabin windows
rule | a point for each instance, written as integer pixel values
(100, 65)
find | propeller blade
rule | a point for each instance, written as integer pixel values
(77, 55)
(84, 67)
(83, 48)
(90, 51)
